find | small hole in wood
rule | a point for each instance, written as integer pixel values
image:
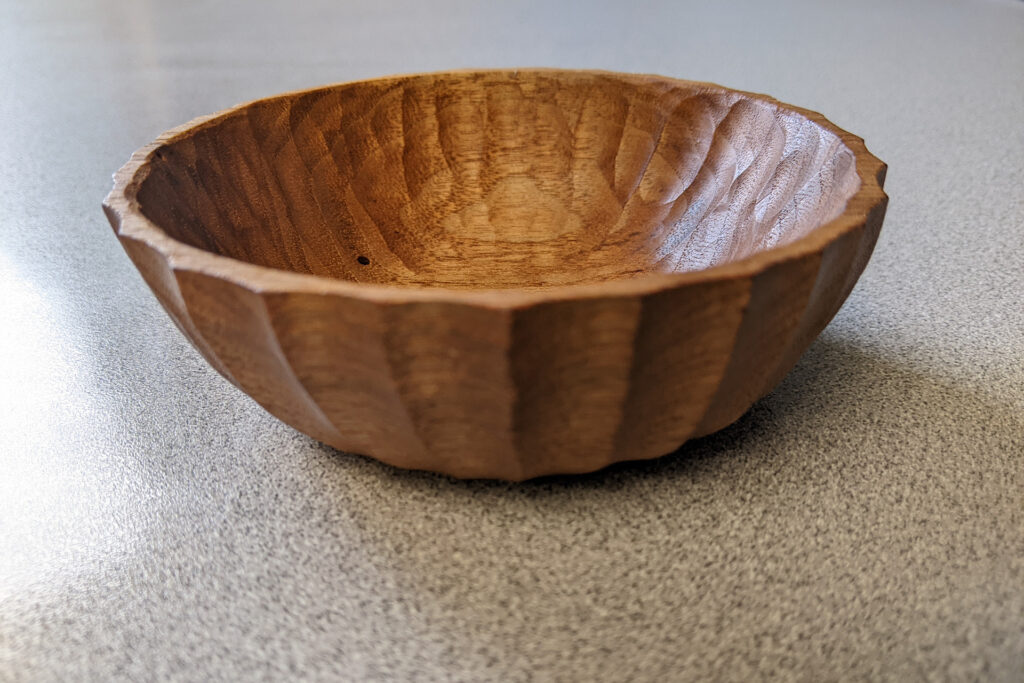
(363, 260)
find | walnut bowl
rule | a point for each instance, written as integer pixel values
(506, 273)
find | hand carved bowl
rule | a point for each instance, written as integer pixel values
(507, 273)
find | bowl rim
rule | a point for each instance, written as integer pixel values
(125, 214)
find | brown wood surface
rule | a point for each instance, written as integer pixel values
(503, 273)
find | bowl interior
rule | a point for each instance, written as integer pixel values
(499, 179)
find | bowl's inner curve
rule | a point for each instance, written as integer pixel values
(514, 179)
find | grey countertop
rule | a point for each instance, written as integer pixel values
(865, 521)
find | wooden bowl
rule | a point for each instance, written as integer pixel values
(503, 273)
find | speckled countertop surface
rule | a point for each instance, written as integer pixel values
(865, 521)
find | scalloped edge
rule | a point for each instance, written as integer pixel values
(122, 208)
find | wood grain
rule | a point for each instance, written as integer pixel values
(503, 273)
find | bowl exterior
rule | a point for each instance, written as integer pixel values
(557, 386)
